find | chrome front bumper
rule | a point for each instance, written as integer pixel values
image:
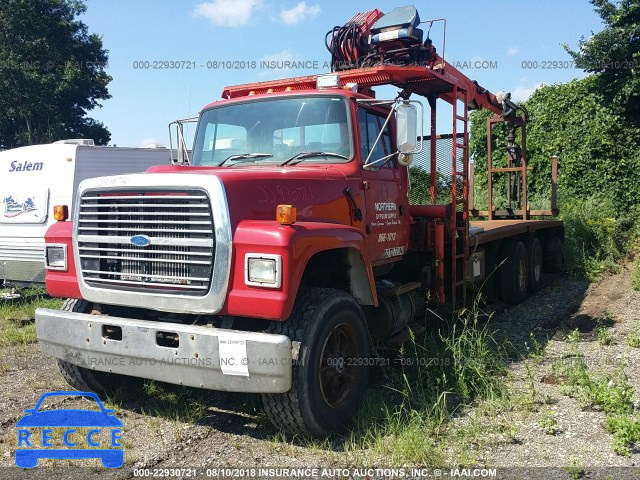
(205, 357)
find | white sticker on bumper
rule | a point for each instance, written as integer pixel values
(233, 355)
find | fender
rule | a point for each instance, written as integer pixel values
(58, 283)
(296, 244)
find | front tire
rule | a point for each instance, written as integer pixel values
(84, 379)
(330, 374)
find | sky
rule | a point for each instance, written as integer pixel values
(504, 45)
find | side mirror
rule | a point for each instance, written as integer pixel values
(406, 127)
(182, 151)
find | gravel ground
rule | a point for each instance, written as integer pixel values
(536, 391)
(234, 431)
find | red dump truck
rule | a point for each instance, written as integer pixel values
(266, 259)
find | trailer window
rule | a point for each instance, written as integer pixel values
(280, 127)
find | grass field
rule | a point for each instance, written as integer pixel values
(16, 316)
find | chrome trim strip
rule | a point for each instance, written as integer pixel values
(142, 205)
(158, 260)
(127, 250)
(146, 284)
(172, 242)
(138, 197)
(127, 274)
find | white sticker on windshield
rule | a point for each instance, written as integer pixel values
(233, 355)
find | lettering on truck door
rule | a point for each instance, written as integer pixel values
(385, 193)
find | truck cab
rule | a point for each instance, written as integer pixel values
(287, 200)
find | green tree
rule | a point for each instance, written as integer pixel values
(598, 152)
(613, 55)
(52, 72)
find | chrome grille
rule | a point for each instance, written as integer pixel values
(179, 226)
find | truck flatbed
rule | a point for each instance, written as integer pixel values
(484, 231)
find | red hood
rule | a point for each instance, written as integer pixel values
(254, 192)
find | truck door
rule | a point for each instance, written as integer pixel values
(387, 214)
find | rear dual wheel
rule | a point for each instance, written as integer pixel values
(514, 274)
(534, 250)
(524, 264)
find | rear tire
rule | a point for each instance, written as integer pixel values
(84, 379)
(490, 286)
(514, 273)
(534, 250)
(330, 373)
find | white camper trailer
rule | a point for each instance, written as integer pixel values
(33, 179)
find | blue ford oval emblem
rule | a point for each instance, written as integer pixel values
(140, 240)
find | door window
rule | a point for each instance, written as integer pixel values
(370, 123)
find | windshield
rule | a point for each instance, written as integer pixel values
(273, 131)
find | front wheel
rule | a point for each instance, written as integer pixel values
(330, 373)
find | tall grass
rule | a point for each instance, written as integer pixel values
(428, 381)
(595, 239)
(635, 278)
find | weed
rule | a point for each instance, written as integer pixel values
(574, 469)
(634, 340)
(432, 377)
(613, 394)
(595, 240)
(573, 337)
(604, 336)
(534, 348)
(549, 424)
(635, 278)
(531, 400)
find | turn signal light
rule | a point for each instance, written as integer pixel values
(60, 212)
(286, 214)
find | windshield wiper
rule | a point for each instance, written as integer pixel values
(242, 156)
(303, 155)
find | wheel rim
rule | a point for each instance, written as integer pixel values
(523, 274)
(339, 369)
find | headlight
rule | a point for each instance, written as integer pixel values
(263, 270)
(55, 257)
